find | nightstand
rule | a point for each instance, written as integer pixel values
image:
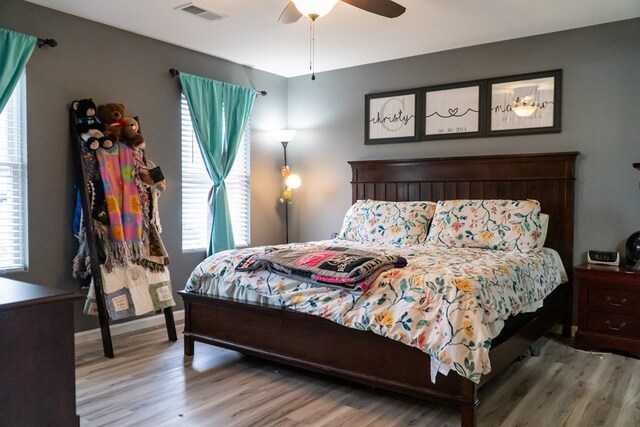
(609, 308)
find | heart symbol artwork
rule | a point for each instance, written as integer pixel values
(453, 111)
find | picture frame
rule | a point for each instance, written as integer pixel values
(452, 111)
(524, 104)
(391, 117)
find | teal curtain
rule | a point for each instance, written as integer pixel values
(15, 51)
(219, 112)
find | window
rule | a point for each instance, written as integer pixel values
(196, 185)
(13, 181)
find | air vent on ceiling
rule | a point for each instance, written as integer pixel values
(201, 12)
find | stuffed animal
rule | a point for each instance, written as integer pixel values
(89, 126)
(112, 116)
(131, 134)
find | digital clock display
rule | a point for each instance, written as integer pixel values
(603, 257)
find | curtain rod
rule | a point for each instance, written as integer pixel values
(175, 73)
(47, 42)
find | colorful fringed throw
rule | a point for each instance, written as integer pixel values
(123, 203)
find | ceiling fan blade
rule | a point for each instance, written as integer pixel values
(290, 14)
(386, 8)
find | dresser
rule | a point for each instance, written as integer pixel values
(609, 308)
(37, 359)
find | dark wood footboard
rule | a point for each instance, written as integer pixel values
(323, 346)
(320, 345)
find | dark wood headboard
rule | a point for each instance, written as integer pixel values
(548, 178)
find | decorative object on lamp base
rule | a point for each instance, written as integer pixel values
(291, 180)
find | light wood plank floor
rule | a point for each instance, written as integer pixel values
(151, 383)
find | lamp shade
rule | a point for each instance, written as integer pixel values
(315, 8)
(293, 181)
(284, 135)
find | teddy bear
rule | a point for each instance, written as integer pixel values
(131, 134)
(89, 125)
(112, 115)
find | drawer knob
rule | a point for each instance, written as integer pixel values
(622, 302)
(615, 328)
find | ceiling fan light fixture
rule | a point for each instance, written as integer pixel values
(525, 106)
(314, 8)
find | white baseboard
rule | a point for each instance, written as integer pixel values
(123, 328)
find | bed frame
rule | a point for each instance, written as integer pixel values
(320, 345)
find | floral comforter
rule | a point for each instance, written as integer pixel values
(449, 303)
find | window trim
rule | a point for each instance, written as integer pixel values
(21, 263)
(188, 136)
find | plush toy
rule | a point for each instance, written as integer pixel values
(131, 134)
(89, 126)
(99, 211)
(112, 116)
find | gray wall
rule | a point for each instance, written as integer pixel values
(110, 65)
(601, 91)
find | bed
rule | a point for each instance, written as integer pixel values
(325, 346)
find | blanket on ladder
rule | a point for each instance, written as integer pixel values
(123, 204)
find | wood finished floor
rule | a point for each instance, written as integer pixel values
(151, 383)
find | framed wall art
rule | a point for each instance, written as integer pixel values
(451, 111)
(391, 117)
(524, 104)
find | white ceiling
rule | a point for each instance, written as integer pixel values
(347, 36)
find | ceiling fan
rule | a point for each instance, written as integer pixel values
(314, 9)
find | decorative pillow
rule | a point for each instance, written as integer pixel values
(404, 223)
(508, 225)
(544, 222)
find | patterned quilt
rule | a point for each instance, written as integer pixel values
(449, 303)
(337, 266)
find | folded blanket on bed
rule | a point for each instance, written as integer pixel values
(328, 266)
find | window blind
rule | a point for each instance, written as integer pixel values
(196, 185)
(13, 181)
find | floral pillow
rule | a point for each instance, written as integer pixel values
(508, 225)
(544, 222)
(405, 223)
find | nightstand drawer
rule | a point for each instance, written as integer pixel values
(614, 324)
(614, 300)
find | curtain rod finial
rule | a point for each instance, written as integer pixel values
(47, 42)
(174, 72)
(262, 92)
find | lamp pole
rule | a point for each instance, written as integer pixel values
(285, 136)
(286, 203)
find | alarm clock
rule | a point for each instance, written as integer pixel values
(603, 257)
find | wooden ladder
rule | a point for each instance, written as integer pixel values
(83, 186)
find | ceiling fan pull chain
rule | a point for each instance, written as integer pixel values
(312, 44)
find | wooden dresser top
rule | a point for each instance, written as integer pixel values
(14, 293)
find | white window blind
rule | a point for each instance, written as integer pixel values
(13, 181)
(196, 185)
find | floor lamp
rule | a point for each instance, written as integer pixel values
(291, 180)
